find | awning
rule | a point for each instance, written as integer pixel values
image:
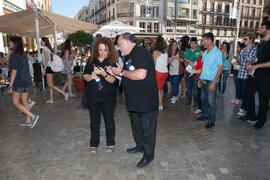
(23, 23)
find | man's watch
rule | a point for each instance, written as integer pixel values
(121, 73)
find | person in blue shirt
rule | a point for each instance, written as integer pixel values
(226, 67)
(211, 71)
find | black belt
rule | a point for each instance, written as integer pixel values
(204, 81)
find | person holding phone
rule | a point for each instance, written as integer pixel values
(100, 92)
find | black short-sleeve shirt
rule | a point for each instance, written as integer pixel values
(141, 95)
(19, 62)
(93, 94)
(263, 57)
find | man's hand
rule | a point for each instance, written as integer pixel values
(212, 86)
(199, 84)
(252, 68)
(117, 70)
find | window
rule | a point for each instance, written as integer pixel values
(251, 25)
(170, 23)
(181, 23)
(253, 12)
(226, 21)
(155, 11)
(254, 1)
(86, 12)
(225, 33)
(219, 20)
(183, 1)
(259, 11)
(169, 30)
(212, 7)
(257, 25)
(195, 1)
(143, 10)
(170, 12)
(149, 27)
(171, 0)
(247, 11)
(248, 1)
(192, 31)
(203, 19)
(218, 32)
(142, 25)
(260, 2)
(156, 27)
(204, 6)
(183, 12)
(227, 8)
(211, 20)
(181, 31)
(219, 7)
(194, 15)
(246, 24)
(203, 31)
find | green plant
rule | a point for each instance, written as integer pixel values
(81, 38)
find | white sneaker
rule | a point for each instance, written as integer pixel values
(242, 112)
(50, 102)
(160, 108)
(34, 122)
(32, 104)
(174, 99)
(66, 97)
(198, 111)
(24, 124)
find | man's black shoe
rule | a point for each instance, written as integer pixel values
(247, 118)
(134, 150)
(143, 163)
(202, 118)
(209, 125)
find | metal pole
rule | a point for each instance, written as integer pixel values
(38, 43)
(236, 37)
(94, 11)
(55, 40)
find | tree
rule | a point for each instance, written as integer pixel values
(81, 38)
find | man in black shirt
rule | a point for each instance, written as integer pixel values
(259, 81)
(141, 93)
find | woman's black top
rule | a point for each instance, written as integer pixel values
(19, 62)
(93, 93)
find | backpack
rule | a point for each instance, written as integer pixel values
(57, 64)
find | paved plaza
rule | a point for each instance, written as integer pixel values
(57, 147)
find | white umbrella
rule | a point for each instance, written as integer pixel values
(116, 28)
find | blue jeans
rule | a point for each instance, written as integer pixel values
(175, 81)
(192, 87)
(235, 80)
(242, 89)
(224, 81)
(209, 102)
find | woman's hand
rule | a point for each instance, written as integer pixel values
(10, 89)
(94, 75)
(100, 71)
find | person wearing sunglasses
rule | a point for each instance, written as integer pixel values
(247, 54)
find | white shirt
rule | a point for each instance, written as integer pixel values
(46, 49)
(161, 63)
(174, 67)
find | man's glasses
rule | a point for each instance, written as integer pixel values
(245, 39)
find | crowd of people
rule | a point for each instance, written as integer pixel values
(193, 71)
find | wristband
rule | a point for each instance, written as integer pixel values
(106, 75)
(121, 73)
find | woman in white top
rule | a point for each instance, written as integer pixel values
(161, 62)
(174, 76)
(47, 62)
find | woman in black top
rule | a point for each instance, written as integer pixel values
(20, 81)
(100, 92)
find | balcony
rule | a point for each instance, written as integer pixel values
(125, 14)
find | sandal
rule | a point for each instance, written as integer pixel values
(110, 149)
(93, 150)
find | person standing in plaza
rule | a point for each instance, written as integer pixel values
(141, 92)
(161, 62)
(211, 71)
(259, 82)
(20, 80)
(47, 62)
(247, 54)
(226, 67)
(100, 92)
(191, 56)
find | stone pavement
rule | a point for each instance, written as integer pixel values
(57, 148)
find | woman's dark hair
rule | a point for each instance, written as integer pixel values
(159, 45)
(18, 45)
(66, 46)
(185, 43)
(170, 49)
(112, 55)
(47, 43)
(227, 47)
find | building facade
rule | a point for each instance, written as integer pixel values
(181, 18)
(251, 16)
(84, 14)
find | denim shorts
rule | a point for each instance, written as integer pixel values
(22, 89)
